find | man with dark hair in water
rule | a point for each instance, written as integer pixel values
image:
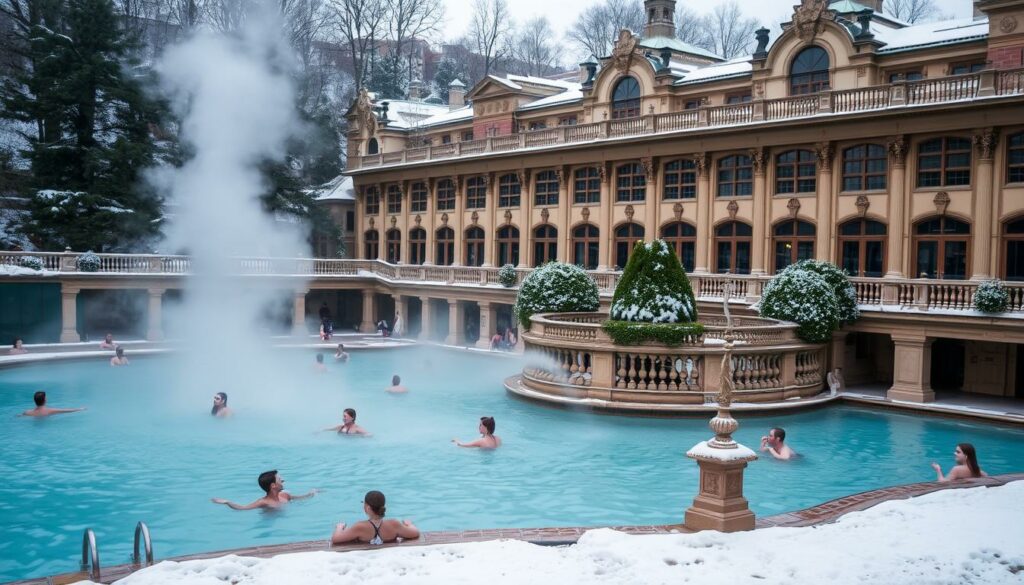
(271, 483)
(775, 444)
(42, 410)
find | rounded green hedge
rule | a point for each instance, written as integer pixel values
(991, 297)
(805, 298)
(839, 281)
(555, 287)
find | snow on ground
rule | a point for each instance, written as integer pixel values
(971, 536)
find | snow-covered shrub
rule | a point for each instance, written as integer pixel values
(991, 297)
(555, 288)
(805, 298)
(31, 262)
(836, 277)
(88, 262)
(507, 275)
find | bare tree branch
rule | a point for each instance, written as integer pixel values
(533, 50)
(596, 29)
(729, 33)
(913, 10)
(489, 31)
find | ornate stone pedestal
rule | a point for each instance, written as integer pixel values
(720, 504)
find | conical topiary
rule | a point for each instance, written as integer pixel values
(654, 287)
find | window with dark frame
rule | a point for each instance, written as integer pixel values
(418, 197)
(545, 188)
(467, 136)
(809, 72)
(630, 182)
(394, 249)
(586, 187)
(446, 139)
(738, 98)
(735, 176)
(908, 75)
(966, 67)
(862, 247)
(372, 203)
(683, 239)
(371, 244)
(732, 248)
(944, 162)
(626, 237)
(394, 199)
(694, 103)
(626, 99)
(417, 246)
(509, 190)
(1013, 262)
(475, 246)
(445, 195)
(793, 241)
(445, 255)
(680, 179)
(545, 244)
(586, 246)
(507, 241)
(865, 167)
(795, 172)
(1015, 158)
(567, 121)
(941, 247)
(476, 192)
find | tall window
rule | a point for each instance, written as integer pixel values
(1013, 235)
(586, 187)
(626, 99)
(417, 246)
(371, 244)
(445, 247)
(680, 180)
(585, 246)
(372, 201)
(793, 241)
(862, 247)
(683, 238)
(445, 195)
(865, 167)
(735, 176)
(474, 246)
(476, 192)
(508, 246)
(372, 147)
(508, 190)
(630, 182)
(795, 171)
(944, 162)
(732, 248)
(545, 188)
(809, 73)
(394, 250)
(394, 199)
(941, 247)
(545, 244)
(1015, 158)
(418, 197)
(626, 236)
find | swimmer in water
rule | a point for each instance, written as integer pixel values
(220, 405)
(341, 355)
(319, 365)
(375, 529)
(271, 483)
(487, 440)
(966, 465)
(18, 347)
(396, 386)
(42, 410)
(119, 358)
(348, 425)
(108, 342)
(775, 444)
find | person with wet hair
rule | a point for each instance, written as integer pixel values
(341, 355)
(396, 385)
(220, 405)
(319, 366)
(108, 342)
(17, 347)
(42, 410)
(775, 444)
(271, 483)
(348, 425)
(119, 358)
(487, 440)
(966, 465)
(375, 529)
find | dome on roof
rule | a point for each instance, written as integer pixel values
(433, 99)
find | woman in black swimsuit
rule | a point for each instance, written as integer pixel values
(375, 529)
(349, 426)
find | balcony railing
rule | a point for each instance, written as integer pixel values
(989, 83)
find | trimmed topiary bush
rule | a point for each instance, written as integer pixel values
(555, 288)
(839, 281)
(31, 262)
(991, 297)
(507, 275)
(88, 262)
(805, 298)
(630, 333)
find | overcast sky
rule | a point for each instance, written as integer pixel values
(562, 13)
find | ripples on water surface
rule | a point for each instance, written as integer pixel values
(146, 450)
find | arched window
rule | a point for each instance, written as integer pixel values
(735, 176)
(680, 180)
(862, 247)
(683, 238)
(445, 247)
(941, 246)
(418, 197)
(445, 195)
(545, 244)
(372, 201)
(585, 246)
(545, 188)
(626, 236)
(417, 246)
(809, 72)
(394, 251)
(626, 99)
(795, 172)
(508, 246)
(586, 186)
(475, 246)
(944, 162)
(732, 248)
(372, 147)
(865, 167)
(509, 190)
(1013, 235)
(371, 244)
(630, 182)
(793, 241)
(476, 192)
(1015, 158)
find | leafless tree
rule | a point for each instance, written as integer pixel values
(597, 28)
(690, 26)
(913, 10)
(489, 31)
(729, 33)
(533, 48)
(360, 25)
(410, 20)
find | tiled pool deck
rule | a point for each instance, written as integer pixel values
(821, 514)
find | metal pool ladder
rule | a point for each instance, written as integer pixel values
(142, 533)
(90, 552)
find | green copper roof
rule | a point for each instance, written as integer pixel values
(847, 6)
(677, 45)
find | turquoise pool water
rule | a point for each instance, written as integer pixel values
(147, 450)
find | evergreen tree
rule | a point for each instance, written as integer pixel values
(93, 132)
(448, 70)
(387, 77)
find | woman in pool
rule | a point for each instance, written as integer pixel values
(348, 425)
(341, 355)
(966, 465)
(375, 529)
(220, 405)
(487, 440)
(119, 358)
(18, 347)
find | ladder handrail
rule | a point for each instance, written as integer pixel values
(90, 552)
(142, 530)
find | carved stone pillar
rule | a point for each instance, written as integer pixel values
(651, 198)
(154, 317)
(761, 200)
(431, 227)
(426, 320)
(604, 247)
(704, 230)
(69, 314)
(488, 321)
(897, 203)
(825, 229)
(491, 250)
(985, 144)
(456, 323)
(720, 504)
(369, 323)
(912, 371)
(299, 312)
(564, 222)
(458, 225)
(526, 217)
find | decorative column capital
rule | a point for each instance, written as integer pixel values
(456, 181)
(985, 141)
(701, 160)
(757, 156)
(602, 171)
(649, 167)
(898, 150)
(524, 176)
(825, 152)
(559, 175)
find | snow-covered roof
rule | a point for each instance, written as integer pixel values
(677, 45)
(566, 97)
(447, 117)
(337, 189)
(555, 83)
(405, 114)
(930, 34)
(732, 68)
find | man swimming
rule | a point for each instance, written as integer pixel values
(396, 386)
(775, 444)
(271, 483)
(42, 410)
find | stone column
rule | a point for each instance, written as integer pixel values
(431, 227)
(299, 312)
(426, 321)
(912, 369)
(369, 323)
(488, 320)
(359, 227)
(564, 221)
(650, 166)
(824, 243)
(401, 308)
(491, 225)
(897, 203)
(456, 323)
(458, 221)
(154, 316)
(604, 247)
(69, 314)
(720, 504)
(981, 263)
(382, 224)
(704, 231)
(761, 201)
(526, 219)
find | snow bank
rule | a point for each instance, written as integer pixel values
(954, 536)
